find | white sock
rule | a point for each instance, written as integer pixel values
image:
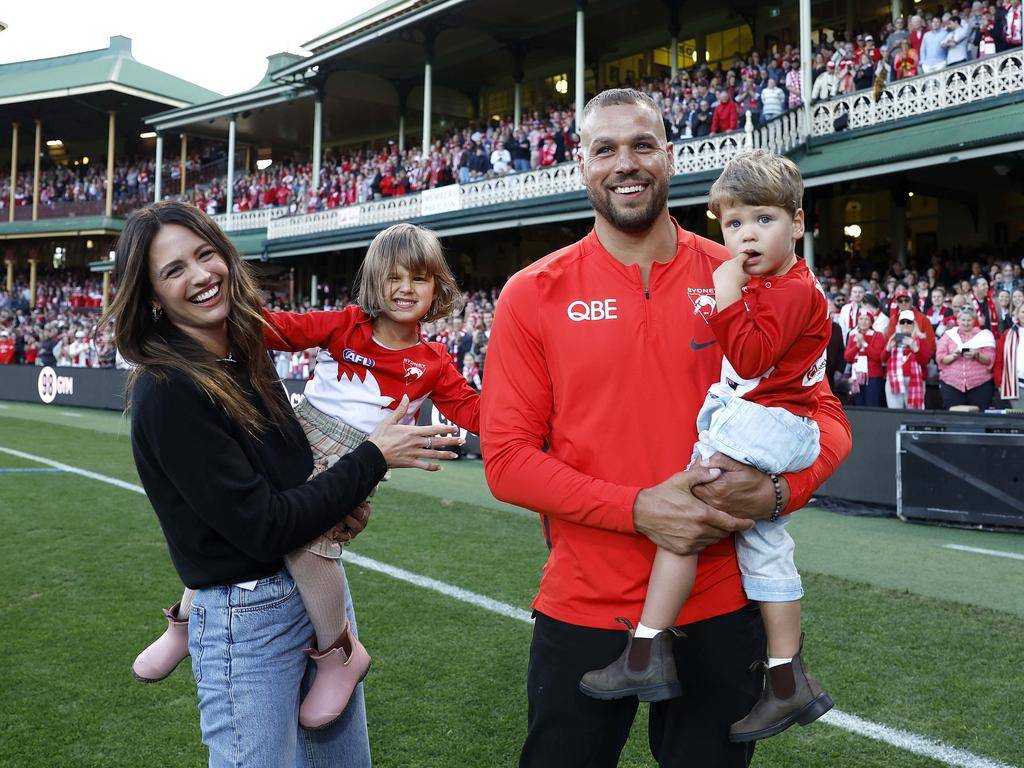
(778, 662)
(642, 630)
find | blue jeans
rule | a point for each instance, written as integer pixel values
(521, 164)
(248, 664)
(771, 440)
(464, 174)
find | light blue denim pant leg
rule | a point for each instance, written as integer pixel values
(248, 663)
(772, 440)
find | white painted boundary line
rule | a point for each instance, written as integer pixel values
(905, 740)
(74, 470)
(981, 551)
(448, 590)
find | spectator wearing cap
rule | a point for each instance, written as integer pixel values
(966, 355)
(827, 84)
(904, 302)
(907, 355)
(865, 351)
(933, 49)
(6, 348)
(1009, 363)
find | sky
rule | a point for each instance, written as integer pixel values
(223, 47)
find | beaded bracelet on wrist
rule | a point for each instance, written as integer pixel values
(778, 498)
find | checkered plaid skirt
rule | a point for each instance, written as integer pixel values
(330, 439)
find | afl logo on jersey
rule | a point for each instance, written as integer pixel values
(352, 356)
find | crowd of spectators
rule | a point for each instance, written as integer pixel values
(903, 337)
(944, 336)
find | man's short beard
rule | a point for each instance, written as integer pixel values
(632, 221)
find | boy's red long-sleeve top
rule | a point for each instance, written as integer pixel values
(774, 340)
(591, 394)
(358, 380)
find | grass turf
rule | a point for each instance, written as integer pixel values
(901, 631)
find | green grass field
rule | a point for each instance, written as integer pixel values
(904, 632)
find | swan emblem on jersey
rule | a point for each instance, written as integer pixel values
(414, 370)
(703, 300)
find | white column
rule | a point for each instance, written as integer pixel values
(897, 9)
(159, 180)
(401, 132)
(427, 98)
(673, 55)
(580, 60)
(805, 65)
(808, 244)
(109, 209)
(313, 291)
(517, 109)
(318, 116)
(231, 171)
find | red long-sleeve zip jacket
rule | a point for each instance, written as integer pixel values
(591, 393)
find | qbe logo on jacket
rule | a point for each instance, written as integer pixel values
(597, 309)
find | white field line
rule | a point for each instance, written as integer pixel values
(981, 551)
(905, 740)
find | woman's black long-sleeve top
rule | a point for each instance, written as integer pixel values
(232, 505)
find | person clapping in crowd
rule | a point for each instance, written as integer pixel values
(865, 351)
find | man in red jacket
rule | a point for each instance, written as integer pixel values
(726, 116)
(599, 359)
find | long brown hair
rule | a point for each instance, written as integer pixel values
(155, 345)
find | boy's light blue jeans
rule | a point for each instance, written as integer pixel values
(248, 663)
(771, 440)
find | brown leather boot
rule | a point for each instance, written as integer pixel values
(773, 714)
(654, 681)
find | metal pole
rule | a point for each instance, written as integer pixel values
(109, 210)
(517, 109)
(805, 66)
(897, 9)
(35, 170)
(231, 171)
(580, 61)
(809, 247)
(401, 132)
(184, 152)
(10, 275)
(106, 289)
(159, 180)
(14, 169)
(318, 116)
(673, 54)
(32, 264)
(427, 99)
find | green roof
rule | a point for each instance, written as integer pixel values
(112, 68)
(71, 225)
(959, 131)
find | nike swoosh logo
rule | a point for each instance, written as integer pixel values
(695, 346)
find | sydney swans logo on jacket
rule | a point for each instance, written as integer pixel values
(703, 300)
(413, 370)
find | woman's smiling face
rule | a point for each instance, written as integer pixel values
(191, 281)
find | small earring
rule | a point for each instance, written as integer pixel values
(157, 312)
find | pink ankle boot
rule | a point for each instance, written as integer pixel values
(337, 676)
(166, 652)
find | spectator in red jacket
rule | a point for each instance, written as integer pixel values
(865, 351)
(725, 117)
(6, 347)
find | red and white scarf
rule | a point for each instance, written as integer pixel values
(992, 314)
(1013, 26)
(1009, 386)
(899, 357)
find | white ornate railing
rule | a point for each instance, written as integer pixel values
(973, 81)
(961, 84)
(692, 156)
(258, 219)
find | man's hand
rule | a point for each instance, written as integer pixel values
(670, 516)
(740, 489)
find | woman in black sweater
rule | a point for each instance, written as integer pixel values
(225, 463)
